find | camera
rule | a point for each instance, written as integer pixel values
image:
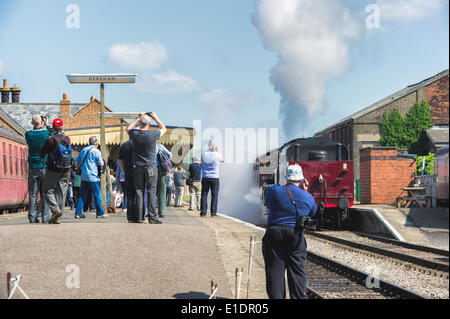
(148, 113)
(302, 222)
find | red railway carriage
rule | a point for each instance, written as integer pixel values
(13, 170)
(326, 166)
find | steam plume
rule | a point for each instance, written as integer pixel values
(311, 38)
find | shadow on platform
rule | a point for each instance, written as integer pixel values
(193, 295)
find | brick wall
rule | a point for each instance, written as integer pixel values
(87, 116)
(437, 96)
(383, 174)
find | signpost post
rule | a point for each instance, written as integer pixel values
(102, 79)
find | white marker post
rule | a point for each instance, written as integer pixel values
(102, 79)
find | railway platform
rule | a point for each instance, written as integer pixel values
(424, 226)
(177, 259)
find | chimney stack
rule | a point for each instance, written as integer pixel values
(15, 94)
(5, 91)
(64, 110)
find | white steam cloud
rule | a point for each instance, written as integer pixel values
(311, 38)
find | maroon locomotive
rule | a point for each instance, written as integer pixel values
(13, 171)
(327, 167)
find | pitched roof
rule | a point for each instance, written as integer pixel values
(11, 122)
(4, 132)
(393, 97)
(93, 100)
(438, 135)
(21, 113)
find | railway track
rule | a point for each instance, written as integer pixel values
(420, 258)
(328, 279)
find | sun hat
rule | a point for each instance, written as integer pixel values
(294, 173)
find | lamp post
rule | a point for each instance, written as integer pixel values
(102, 79)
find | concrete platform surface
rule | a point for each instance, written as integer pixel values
(115, 259)
(425, 226)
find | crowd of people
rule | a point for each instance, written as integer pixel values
(143, 180)
(144, 174)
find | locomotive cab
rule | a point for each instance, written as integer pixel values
(327, 167)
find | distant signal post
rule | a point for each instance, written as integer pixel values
(102, 79)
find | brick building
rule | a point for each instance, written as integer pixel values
(361, 130)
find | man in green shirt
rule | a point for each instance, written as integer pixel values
(37, 165)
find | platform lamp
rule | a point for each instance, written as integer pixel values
(102, 79)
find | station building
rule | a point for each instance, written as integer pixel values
(361, 129)
(81, 121)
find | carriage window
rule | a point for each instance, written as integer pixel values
(5, 170)
(10, 166)
(25, 163)
(2, 147)
(17, 167)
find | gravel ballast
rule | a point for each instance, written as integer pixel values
(434, 287)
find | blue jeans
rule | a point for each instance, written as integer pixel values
(169, 192)
(94, 188)
(213, 185)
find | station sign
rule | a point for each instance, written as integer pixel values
(120, 115)
(101, 78)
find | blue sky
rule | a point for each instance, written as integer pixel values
(212, 61)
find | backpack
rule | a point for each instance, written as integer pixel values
(61, 157)
(164, 162)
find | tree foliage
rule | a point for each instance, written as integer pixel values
(417, 122)
(407, 132)
(392, 129)
(429, 164)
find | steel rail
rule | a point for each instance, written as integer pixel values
(428, 249)
(385, 288)
(384, 252)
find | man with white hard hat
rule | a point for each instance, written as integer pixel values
(284, 245)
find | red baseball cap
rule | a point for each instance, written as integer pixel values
(57, 123)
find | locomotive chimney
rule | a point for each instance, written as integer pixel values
(5, 91)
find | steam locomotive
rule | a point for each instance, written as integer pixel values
(326, 165)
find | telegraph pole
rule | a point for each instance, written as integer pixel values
(103, 144)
